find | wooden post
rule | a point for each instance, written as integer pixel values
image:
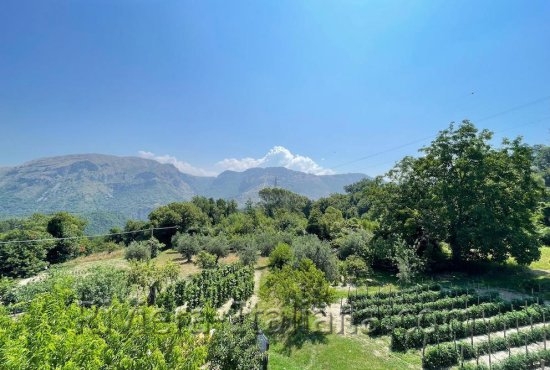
(471, 335)
(423, 345)
(454, 337)
(544, 327)
(489, 335)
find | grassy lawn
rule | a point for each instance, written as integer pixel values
(340, 352)
(544, 262)
(116, 259)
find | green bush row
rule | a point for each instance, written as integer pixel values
(400, 296)
(532, 360)
(385, 295)
(379, 312)
(403, 339)
(420, 297)
(215, 286)
(406, 320)
(447, 354)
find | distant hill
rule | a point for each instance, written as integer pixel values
(108, 190)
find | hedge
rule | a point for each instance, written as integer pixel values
(447, 354)
(402, 339)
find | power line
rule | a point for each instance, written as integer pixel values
(503, 112)
(87, 236)
(495, 132)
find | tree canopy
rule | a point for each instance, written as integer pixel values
(477, 198)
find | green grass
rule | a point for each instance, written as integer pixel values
(544, 262)
(339, 352)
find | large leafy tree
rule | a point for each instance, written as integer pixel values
(68, 229)
(23, 259)
(185, 216)
(273, 199)
(477, 198)
(298, 289)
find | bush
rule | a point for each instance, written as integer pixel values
(280, 256)
(138, 251)
(186, 244)
(6, 286)
(206, 260)
(102, 286)
(248, 255)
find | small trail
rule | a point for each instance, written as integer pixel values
(253, 300)
(250, 303)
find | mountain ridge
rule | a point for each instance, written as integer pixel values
(117, 188)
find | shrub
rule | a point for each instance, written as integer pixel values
(206, 260)
(138, 251)
(102, 286)
(281, 255)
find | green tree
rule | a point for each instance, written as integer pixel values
(206, 260)
(478, 199)
(234, 347)
(354, 269)
(133, 231)
(298, 289)
(185, 216)
(273, 199)
(280, 256)
(23, 259)
(138, 251)
(318, 251)
(216, 245)
(187, 245)
(69, 229)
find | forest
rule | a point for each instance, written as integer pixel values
(399, 256)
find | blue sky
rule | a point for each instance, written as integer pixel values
(322, 86)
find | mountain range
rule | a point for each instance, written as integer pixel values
(108, 190)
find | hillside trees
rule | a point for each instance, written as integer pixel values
(186, 216)
(69, 228)
(23, 259)
(478, 199)
(273, 199)
(298, 289)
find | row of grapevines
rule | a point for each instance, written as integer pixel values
(394, 294)
(216, 286)
(403, 339)
(426, 296)
(522, 361)
(466, 300)
(449, 354)
(428, 318)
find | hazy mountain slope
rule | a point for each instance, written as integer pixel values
(109, 189)
(88, 183)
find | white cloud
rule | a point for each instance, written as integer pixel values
(180, 165)
(278, 156)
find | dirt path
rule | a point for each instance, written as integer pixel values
(253, 300)
(250, 303)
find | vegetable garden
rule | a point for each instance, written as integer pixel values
(457, 326)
